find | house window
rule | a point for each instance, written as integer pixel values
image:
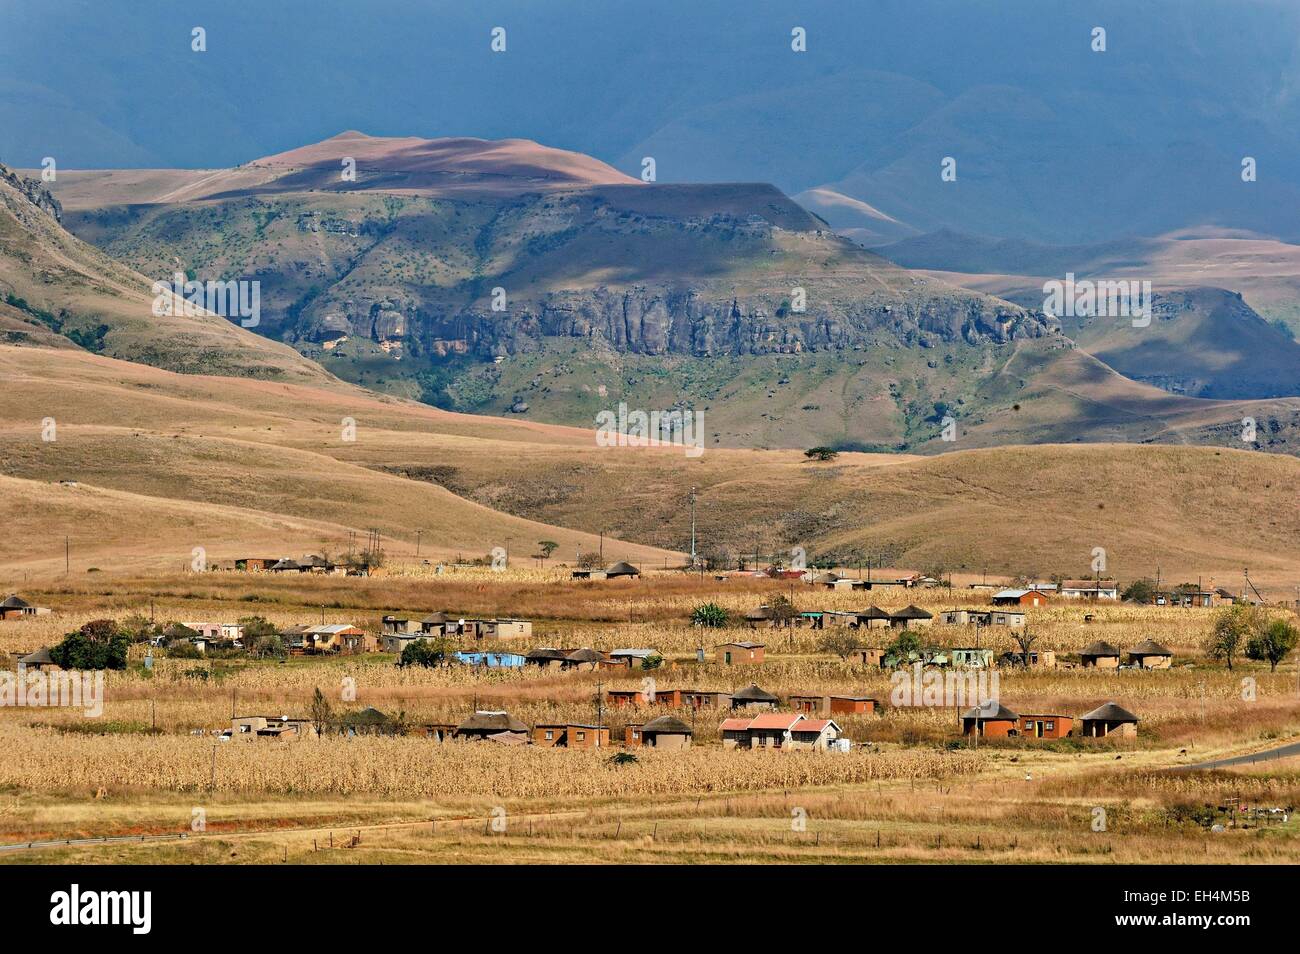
(1049, 726)
(582, 737)
(549, 735)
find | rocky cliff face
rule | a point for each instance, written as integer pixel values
(656, 321)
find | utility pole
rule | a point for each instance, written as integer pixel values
(692, 499)
(600, 714)
(417, 543)
(67, 556)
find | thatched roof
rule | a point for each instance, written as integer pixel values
(752, 693)
(760, 613)
(874, 612)
(41, 657)
(991, 711)
(367, 716)
(1149, 647)
(912, 612)
(14, 601)
(435, 619)
(487, 721)
(622, 568)
(1099, 648)
(545, 654)
(666, 725)
(584, 656)
(1110, 712)
(179, 631)
(826, 578)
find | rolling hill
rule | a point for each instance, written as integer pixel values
(1203, 341)
(164, 462)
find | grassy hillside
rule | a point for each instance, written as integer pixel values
(51, 279)
(274, 450)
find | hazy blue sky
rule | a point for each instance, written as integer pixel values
(1045, 130)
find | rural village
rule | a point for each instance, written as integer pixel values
(877, 675)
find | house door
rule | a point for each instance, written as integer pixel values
(726, 658)
(1038, 729)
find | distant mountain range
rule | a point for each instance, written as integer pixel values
(1053, 141)
(509, 277)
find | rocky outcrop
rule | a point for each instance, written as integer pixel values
(658, 321)
(35, 192)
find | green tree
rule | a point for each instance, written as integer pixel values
(1233, 628)
(906, 643)
(139, 629)
(711, 615)
(821, 453)
(545, 548)
(97, 645)
(1273, 643)
(321, 712)
(1139, 591)
(424, 652)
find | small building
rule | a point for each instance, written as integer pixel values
(435, 624)
(754, 698)
(1100, 655)
(1149, 654)
(872, 658)
(571, 736)
(491, 660)
(1038, 659)
(396, 642)
(809, 704)
(703, 699)
(583, 660)
(1046, 726)
(1185, 598)
(621, 698)
(965, 617)
(488, 723)
(621, 569)
(1108, 720)
(910, 617)
(672, 698)
(970, 658)
(401, 625)
(486, 628)
(991, 720)
(41, 659)
(275, 727)
(778, 730)
(14, 606)
(1019, 598)
(367, 721)
(635, 658)
(1090, 589)
(546, 657)
(853, 705)
(666, 732)
(331, 638)
(1004, 617)
(872, 618)
(739, 654)
(254, 564)
(355, 643)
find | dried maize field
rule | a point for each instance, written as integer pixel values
(912, 788)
